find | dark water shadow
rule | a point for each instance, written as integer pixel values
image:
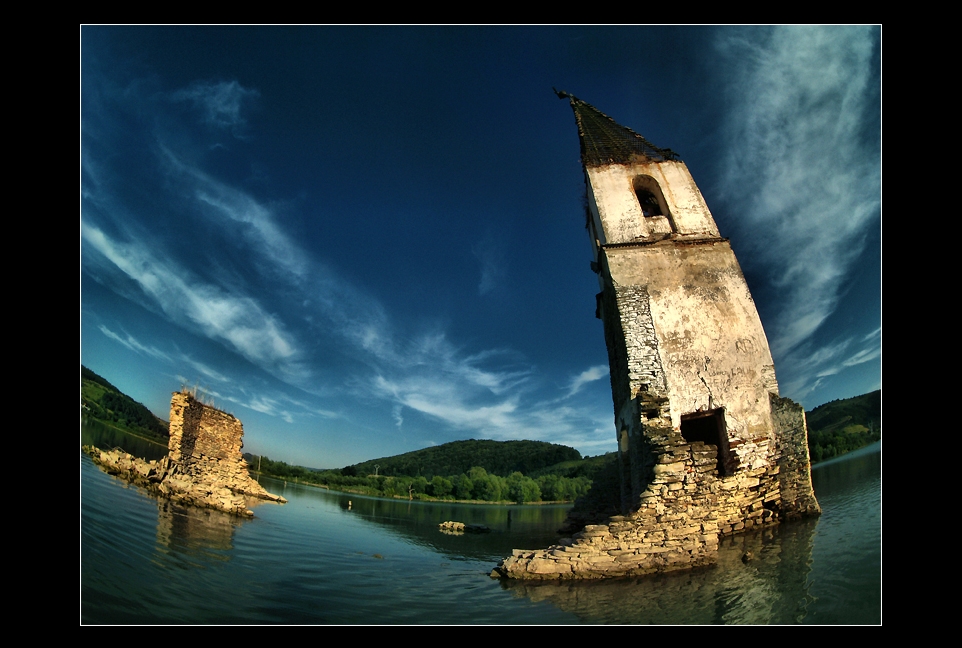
(417, 522)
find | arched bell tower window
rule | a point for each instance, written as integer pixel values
(649, 204)
(653, 205)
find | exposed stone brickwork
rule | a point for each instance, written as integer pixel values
(706, 447)
(794, 464)
(205, 445)
(204, 465)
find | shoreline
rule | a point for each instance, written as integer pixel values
(426, 498)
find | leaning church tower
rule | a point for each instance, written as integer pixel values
(706, 446)
(691, 370)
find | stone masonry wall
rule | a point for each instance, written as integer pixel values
(681, 516)
(675, 527)
(637, 382)
(794, 463)
(676, 505)
(705, 446)
(205, 446)
(203, 467)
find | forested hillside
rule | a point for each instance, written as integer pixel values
(102, 401)
(494, 473)
(844, 425)
(496, 457)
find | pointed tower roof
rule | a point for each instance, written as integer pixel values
(604, 141)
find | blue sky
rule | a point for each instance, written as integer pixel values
(365, 241)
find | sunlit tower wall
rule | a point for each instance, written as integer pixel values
(699, 422)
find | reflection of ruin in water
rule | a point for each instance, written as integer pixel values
(191, 530)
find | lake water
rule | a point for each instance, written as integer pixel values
(331, 558)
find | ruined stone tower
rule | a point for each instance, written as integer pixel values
(705, 444)
(204, 455)
(203, 467)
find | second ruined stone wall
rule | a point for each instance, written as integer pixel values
(795, 466)
(199, 433)
(205, 445)
(203, 467)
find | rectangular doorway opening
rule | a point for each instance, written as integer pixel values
(709, 428)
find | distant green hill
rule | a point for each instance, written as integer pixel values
(844, 425)
(496, 457)
(484, 471)
(104, 402)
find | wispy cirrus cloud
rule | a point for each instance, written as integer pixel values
(266, 405)
(133, 344)
(588, 375)
(811, 365)
(493, 372)
(190, 259)
(803, 155)
(209, 196)
(397, 413)
(175, 358)
(493, 265)
(234, 319)
(221, 104)
(443, 401)
(494, 404)
(203, 369)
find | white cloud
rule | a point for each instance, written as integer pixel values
(226, 202)
(266, 405)
(875, 335)
(458, 401)
(131, 343)
(588, 375)
(235, 319)
(396, 414)
(808, 183)
(204, 369)
(267, 401)
(431, 355)
(865, 355)
(809, 365)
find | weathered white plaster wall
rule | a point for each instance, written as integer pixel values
(710, 339)
(621, 220)
(687, 205)
(683, 336)
(619, 216)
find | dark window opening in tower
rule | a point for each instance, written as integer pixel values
(649, 203)
(653, 205)
(709, 428)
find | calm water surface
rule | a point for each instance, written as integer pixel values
(319, 559)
